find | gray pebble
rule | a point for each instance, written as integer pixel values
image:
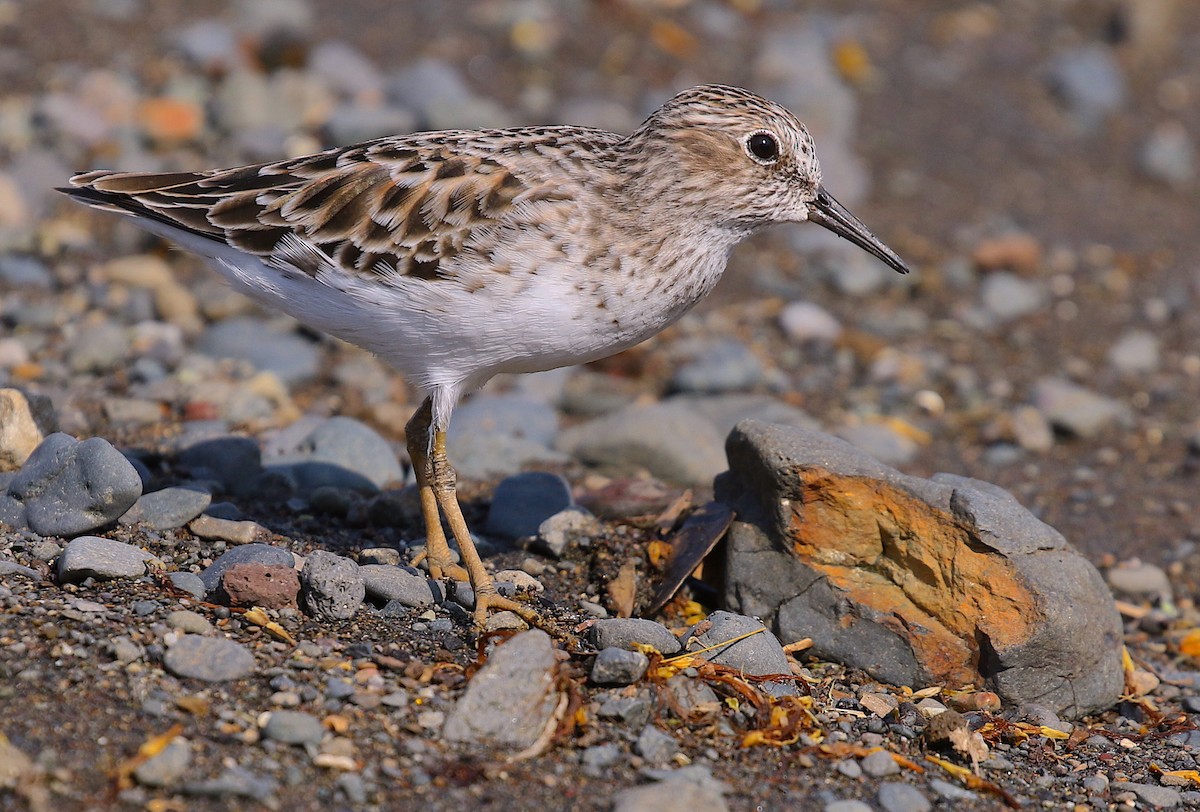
(236, 781)
(1151, 794)
(897, 797)
(848, 805)
(1140, 580)
(168, 508)
(1090, 83)
(293, 727)
(523, 501)
(879, 764)
(721, 365)
(331, 585)
(165, 768)
(677, 795)
(951, 792)
(632, 710)
(597, 759)
(617, 666)
(1169, 155)
(12, 568)
(574, 524)
(510, 701)
(69, 487)
(1007, 296)
(758, 654)
(1076, 410)
(626, 632)
(881, 442)
(1136, 351)
(353, 786)
(655, 746)
(292, 358)
(189, 622)
(100, 558)
(1095, 784)
(391, 583)
(189, 582)
(244, 554)
(849, 768)
(234, 461)
(212, 659)
(808, 321)
(349, 450)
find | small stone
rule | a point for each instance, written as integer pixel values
(655, 746)
(1007, 296)
(19, 432)
(719, 365)
(1151, 794)
(1169, 155)
(849, 768)
(1141, 580)
(388, 583)
(188, 582)
(520, 580)
(1076, 410)
(123, 650)
(897, 797)
(292, 358)
(217, 529)
(1089, 81)
(522, 502)
(167, 766)
(386, 556)
(1095, 784)
(293, 727)
(189, 622)
(271, 586)
(848, 805)
(212, 659)
(512, 699)
(677, 795)
(1136, 351)
(69, 487)
(616, 666)
(627, 632)
(331, 585)
(347, 444)
(881, 442)
(880, 764)
(502, 621)
(1015, 251)
(758, 654)
(575, 524)
(809, 322)
(103, 559)
(246, 554)
(235, 782)
(234, 461)
(598, 758)
(168, 508)
(951, 792)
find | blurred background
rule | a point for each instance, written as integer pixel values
(1035, 160)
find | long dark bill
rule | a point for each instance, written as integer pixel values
(826, 211)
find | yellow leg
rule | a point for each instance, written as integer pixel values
(437, 551)
(444, 482)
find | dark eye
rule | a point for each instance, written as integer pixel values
(763, 147)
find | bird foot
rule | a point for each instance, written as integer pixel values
(440, 566)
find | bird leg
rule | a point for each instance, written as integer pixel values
(437, 553)
(438, 488)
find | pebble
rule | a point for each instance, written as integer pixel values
(212, 659)
(667, 439)
(1095, 784)
(1076, 410)
(849, 768)
(809, 322)
(625, 633)
(848, 805)
(385, 582)
(271, 586)
(189, 622)
(69, 487)
(19, 432)
(98, 347)
(676, 795)
(522, 502)
(617, 666)
(1140, 579)
(726, 411)
(292, 358)
(293, 727)
(897, 797)
(598, 758)
(1136, 351)
(879, 764)
(632, 710)
(575, 524)
(233, 461)
(387, 556)
(245, 554)
(499, 435)
(331, 585)
(1151, 794)
(951, 792)
(103, 559)
(166, 767)
(347, 444)
(1007, 296)
(655, 746)
(215, 528)
(236, 781)
(721, 365)
(1090, 83)
(510, 701)
(189, 582)
(1169, 155)
(167, 508)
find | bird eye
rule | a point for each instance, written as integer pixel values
(763, 147)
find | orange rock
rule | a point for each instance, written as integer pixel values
(1019, 253)
(170, 120)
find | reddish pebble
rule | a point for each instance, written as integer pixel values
(270, 586)
(979, 701)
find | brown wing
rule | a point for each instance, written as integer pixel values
(396, 206)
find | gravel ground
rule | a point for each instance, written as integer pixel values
(1035, 162)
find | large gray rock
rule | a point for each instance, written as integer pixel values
(103, 559)
(69, 487)
(511, 700)
(916, 581)
(757, 655)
